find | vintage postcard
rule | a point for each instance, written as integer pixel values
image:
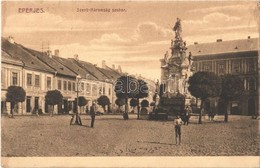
(130, 84)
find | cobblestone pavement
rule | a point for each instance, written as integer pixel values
(113, 136)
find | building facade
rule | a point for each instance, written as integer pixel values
(34, 76)
(38, 72)
(236, 57)
(11, 74)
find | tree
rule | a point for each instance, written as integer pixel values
(82, 101)
(142, 93)
(126, 87)
(120, 102)
(204, 85)
(52, 98)
(145, 103)
(232, 88)
(103, 101)
(152, 103)
(133, 102)
(15, 94)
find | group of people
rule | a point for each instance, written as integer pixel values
(92, 112)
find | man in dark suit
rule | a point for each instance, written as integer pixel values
(93, 110)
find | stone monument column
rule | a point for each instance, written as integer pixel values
(177, 68)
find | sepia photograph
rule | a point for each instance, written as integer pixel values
(130, 84)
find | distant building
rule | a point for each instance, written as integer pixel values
(237, 57)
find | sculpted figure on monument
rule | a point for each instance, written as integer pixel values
(190, 58)
(177, 29)
(166, 55)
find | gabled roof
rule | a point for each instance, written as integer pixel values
(75, 68)
(115, 72)
(53, 63)
(6, 58)
(92, 69)
(109, 73)
(29, 61)
(233, 46)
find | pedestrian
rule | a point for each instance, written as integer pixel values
(187, 115)
(93, 110)
(178, 123)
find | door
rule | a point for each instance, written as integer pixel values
(251, 107)
(28, 104)
(3, 107)
(46, 108)
(36, 103)
(65, 103)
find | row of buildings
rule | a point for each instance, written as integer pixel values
(237, 57)
(38, 72)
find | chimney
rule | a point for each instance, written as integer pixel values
(248, 37)
(113, 67)
(57, 53)
(103, 64)
(11, 39)
(119, 69)
(219, 40)
(76, 57)
(195, 43)
(49, 53)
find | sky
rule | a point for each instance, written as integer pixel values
(135, 38)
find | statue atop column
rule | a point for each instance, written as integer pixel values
(178, 46)
(177, 29)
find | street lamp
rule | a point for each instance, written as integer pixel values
(78, 77)
(78, 119)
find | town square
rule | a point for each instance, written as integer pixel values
(130, 79)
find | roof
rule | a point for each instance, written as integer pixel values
(109, 73)
(75, 68)
(233, 46)
(53, 63)
(116, 72)
(92, 69)
(31, 62)
(6, 58)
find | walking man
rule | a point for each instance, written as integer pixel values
(187, 115)
(93, 110)
(178, 123)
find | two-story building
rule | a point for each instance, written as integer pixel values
(104, 83)
(237, 57)
(11, 75)
(36, 78)
(65, 80)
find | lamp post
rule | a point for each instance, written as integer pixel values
(78, 79)
(78, 119)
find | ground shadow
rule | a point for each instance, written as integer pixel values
(157, 143)
(80, 125)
